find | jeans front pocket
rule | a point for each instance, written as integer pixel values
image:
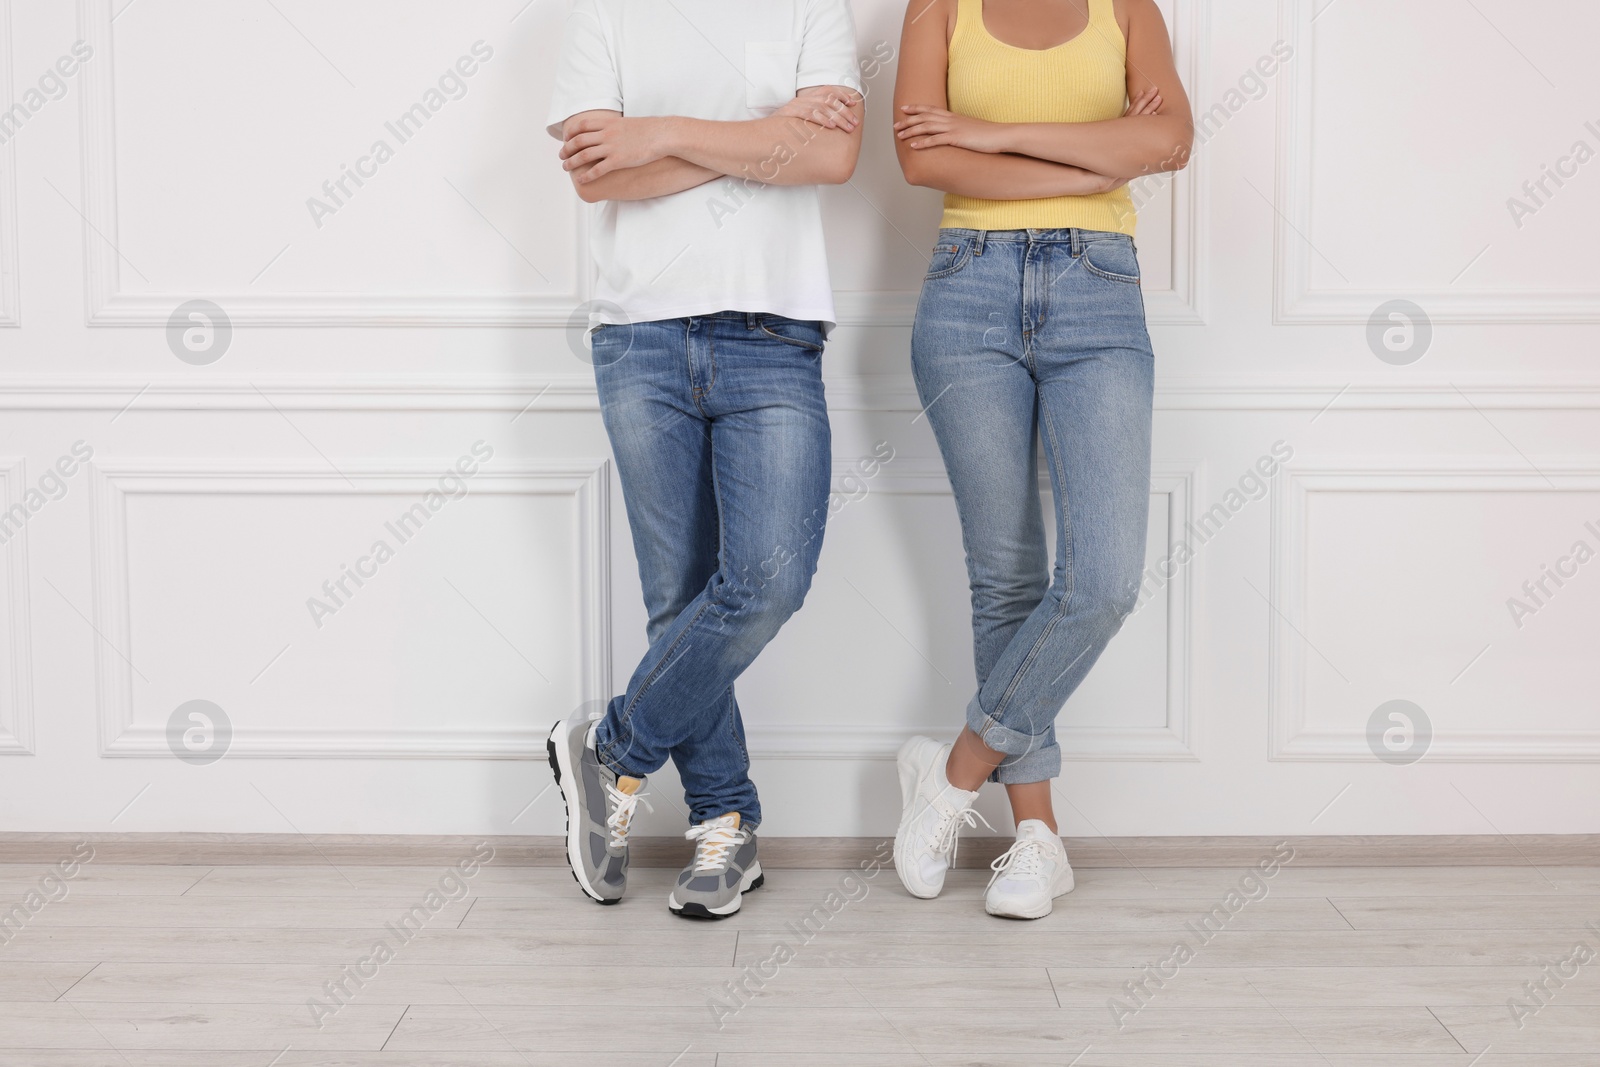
(806, 335)
(949, 256)
(1112, 258)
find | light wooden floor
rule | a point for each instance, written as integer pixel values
(1335, 967)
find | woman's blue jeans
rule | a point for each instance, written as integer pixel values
(1023, 338)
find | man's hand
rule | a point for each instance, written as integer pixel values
(827, 106)
(599, 143)
(926, 127)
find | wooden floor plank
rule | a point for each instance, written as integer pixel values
(1061, 1032)
(1039, 946)
(545, 985)
(1556, 1027)
(1355, 986)
(1412, 912)
(873, 907)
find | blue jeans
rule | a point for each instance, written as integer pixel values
(720, 432)
(1023, 337)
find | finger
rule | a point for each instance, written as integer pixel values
(600, 170)
(584, 158)
(573, 145)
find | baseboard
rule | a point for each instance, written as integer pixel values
(1552, 850)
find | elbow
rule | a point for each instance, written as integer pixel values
(838, 169)
(837, 174)
(1182, 150)
(915, 173)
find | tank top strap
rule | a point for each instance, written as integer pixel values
(969, 18)
(1103, 13)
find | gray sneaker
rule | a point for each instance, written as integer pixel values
(600, 805)
(724, 868)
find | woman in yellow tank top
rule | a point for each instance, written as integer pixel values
(1031, 116)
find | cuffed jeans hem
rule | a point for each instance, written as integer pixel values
(1029, 757)
(605, 751)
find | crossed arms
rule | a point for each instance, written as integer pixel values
(812, 140)
(1025, 161)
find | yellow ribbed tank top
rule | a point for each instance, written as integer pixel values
(1083, 80)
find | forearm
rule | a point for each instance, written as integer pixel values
(1121, 148)
(774, 150)
(997, 177)
(660, 178)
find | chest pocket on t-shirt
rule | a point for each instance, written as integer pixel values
(771, 69)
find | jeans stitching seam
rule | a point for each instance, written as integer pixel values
(962, 259)
(1066, 549)
(807, 345)
(1108, 275)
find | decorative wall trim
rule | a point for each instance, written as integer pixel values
(586, 482)
(1295, 301)
(16, 689)
(1289, 737)
(10, 299)
(109, 305)
(575, 392)
(1173, 741)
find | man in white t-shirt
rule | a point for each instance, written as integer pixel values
(702, 128)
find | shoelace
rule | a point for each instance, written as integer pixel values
(621, 807)
(1025, 859)
(946, 836)
(712, 841)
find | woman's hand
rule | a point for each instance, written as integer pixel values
(1148, 103)
(926, 127)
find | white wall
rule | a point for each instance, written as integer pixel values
(430, 312)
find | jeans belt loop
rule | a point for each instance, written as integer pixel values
(977, 245)
(1077, 240)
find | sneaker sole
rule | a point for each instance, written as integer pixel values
(693, 910)
(908, 793)
(1049, 905)
(564, 781)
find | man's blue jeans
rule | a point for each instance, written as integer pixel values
(1025, 337)
(720, 432)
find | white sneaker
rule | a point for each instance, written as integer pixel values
(930, 821)
(1029, 875)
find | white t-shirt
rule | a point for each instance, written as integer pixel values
(730, 244)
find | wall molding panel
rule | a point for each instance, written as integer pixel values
(1295, 301)
(110, 305)
(585, 483)
(10, 283)
(1289, 736)
(16, 684)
